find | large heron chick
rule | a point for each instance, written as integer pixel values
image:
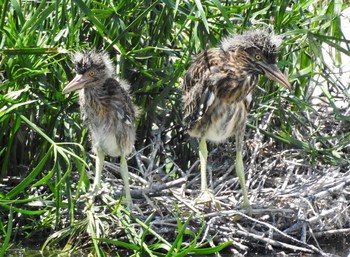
(218, 91)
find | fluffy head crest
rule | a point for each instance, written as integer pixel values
(263, 40)
(88, 59)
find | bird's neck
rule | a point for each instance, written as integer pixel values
(90, 96)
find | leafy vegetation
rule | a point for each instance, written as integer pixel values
(44, 146)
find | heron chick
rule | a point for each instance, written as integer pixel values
(106, 110)
(218, 92)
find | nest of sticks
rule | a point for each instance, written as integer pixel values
(295, 205)
(298, 202)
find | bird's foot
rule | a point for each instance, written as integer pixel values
(127, 199)
(91, 195)
(96, 189)
(208, 199)
(246, 207)
(128, 204)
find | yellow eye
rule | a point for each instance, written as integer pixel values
(258, 57)
(91, 73)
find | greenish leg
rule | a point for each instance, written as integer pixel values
(125, 176)
(203, 157)
(99, 167)
(205, 196)
(241, 177)
(240, 167)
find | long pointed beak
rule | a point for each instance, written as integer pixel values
(273, 73)
(77, 83)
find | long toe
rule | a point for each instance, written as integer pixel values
(207, 199)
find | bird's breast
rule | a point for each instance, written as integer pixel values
(108, 130)
(221, 121)
(233, 88)
(113, 138)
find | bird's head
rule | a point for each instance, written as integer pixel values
(257, 49)
(92, 69)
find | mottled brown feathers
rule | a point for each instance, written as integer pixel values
(217, 86)
(91, 59)
(213, 87)
(105, 104)
(262, 40)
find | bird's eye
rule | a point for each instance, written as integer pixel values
(258, 57)
(91, 73)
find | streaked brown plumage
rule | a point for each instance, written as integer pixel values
(107, 111)
(217, 93)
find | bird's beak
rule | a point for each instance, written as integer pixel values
(273, 73)
(77, 83)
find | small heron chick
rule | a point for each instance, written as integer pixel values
(218, 92)
(106, 110)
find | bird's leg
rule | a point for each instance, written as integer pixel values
(205, 195)
(240, 168)
(203, 157)
(240, 175)
(125, 176)
(99, 167)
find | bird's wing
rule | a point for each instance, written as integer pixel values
(124, 110)
(206, 101)
(198, 98)
(124, 117)
(215, 84)
(120, 99)
(229, 87)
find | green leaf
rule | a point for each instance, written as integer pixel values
(202, 14)
(8, 234)
(120, 243)
(29, 179)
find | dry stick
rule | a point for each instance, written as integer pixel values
(233, 212)
(155, 190)
(182, 174)
(132, 175)
(243, 232)
(325, 187)
(219, 184)
(312, 220)
(151, 204)
(138, 157)
(313, 236)
(195, 164)
(332, 232)
(177, 196)
(257, 137)
(331, 190)
(269, 241)
(189, 205)
(290, 171)
(165, 177)
(155, 146)
(139, 162)
(210, 223)
(181, 199)
(332, 211)
(328, 186)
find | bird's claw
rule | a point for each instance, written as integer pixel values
(208, 199)
(91, 195)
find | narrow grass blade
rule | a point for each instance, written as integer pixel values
(8, 234)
